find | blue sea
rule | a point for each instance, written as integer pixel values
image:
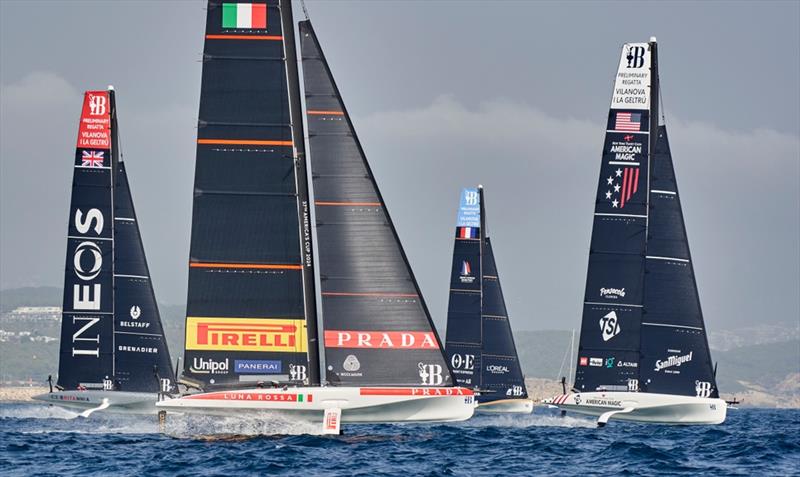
(40, 440)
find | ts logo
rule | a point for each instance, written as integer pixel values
(97, 105)
(609, 326)
(471, 197)
(702, 388)
(297, 372)
(635, 56)
(466, 361)
(431, 374)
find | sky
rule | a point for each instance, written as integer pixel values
(443, 95)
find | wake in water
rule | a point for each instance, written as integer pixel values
(539, 418)
(195, 426)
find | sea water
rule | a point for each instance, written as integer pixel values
(40, 440)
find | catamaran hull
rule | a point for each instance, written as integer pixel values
(113, 401)
(644, 407)
(358, 405)
(510, 406)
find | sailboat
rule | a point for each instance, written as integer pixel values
(480, 345)
(252, 338)
(643, 353)
(113, 351)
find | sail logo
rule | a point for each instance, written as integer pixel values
(702, 388)
(87, 264)
(257, 366)
(635, 56)
(609, 326)
(496, 369)
(583, 361)
(97, 104)
(209, 366)
(471, 197)
(464, 362)
(466, 272)
(380, 339)
(514, 391)
(673, 361)
(298, 372)
(431, 374)
(612, 293)
(597, 362)
(246, 334)
(351, 363)
(135, 312)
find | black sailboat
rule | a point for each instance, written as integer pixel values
(643, 350)
(251, 317)
(113, 350)
(480, 344)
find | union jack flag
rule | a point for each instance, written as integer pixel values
(92, 158)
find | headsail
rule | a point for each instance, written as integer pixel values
(111, 335)
(250, 260)
(480, 344)
(377, 328)
(640, 302)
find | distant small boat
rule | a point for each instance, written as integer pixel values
(480, 344)
(113, 351)
(252, 340)
(643, 352)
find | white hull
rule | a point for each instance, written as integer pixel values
(644, 407)
(115, 401)
(357, 404)
(512, 406)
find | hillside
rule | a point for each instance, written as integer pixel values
(29, 296)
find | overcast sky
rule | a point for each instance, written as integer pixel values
(443, 95)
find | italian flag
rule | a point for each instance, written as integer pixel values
(244, 15)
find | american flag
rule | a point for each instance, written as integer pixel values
(92, 158)
(630, 182)
(628, 122)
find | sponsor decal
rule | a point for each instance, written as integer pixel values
(604, 402)
(702, 388)
(298, 372)
(496, 369)
(673, 361)
(612, 293)
(469, 212)
(466, 272)
(514, 391)
(246, 334)
(68, 397)
(244, 15)
(632, 84)
(583, 361)
(138, 349)
(627, 364)
(467, 232)
(245, 396)
(633, 385)
(430, 374)
(351, 363)
(135, 312)
(380, 339)
(609, 326)
(454, 391)
(464, 363)
(256, 366)
(94, 131)
(92, 158)
(595, 361)
(134, 324)
(610, 362)
(577, 399)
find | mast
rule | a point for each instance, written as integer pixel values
(303, 197)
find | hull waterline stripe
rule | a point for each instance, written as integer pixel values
(244, 142)
(668, 192)
(673, 259)
(132, 276)
(363, 204)
(398, 295)
(665, 325)
(611, 304)
(245, 37)
(245, 266)
(620, 215)
(325, 113)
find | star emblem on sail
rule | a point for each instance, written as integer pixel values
(624, 182)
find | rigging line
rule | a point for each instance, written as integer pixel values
(303, 6)
(661, 102)
(563, 360)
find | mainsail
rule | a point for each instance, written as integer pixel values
(480, 345)
(111, 334)
(642, 327)
(250, 308)
(377, 328)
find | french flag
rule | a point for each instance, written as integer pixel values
(467, 232)
(465, 268)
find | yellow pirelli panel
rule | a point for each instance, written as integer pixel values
(246, 334)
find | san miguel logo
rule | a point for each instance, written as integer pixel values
(246, 334)
(380, 339)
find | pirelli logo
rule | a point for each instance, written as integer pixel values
(246, 334)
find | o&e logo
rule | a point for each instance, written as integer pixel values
(257, 366)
